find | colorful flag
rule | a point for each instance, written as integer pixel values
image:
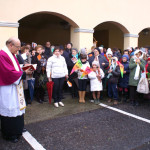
(78, 65)
(69, 83)
(86, 72)
(121, 68)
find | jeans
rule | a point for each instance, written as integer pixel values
(112, 91)
(57, 88)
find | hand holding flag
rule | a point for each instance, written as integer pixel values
(77, 66)
(121, 68)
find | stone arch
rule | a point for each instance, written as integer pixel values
(46, 26)
(144, 37)
(110, 33)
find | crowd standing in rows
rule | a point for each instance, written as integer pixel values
(55, 63)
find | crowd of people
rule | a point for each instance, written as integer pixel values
(113, 70)
(55, 63)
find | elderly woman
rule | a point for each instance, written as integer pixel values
(57, 72)
(136, 66)
(73, 58)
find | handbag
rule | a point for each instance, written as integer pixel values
(143, 86)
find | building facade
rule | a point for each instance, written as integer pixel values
(113, 23)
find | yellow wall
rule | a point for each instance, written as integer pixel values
(5, 33)
(85, 14)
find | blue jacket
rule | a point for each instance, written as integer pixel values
(123, 82)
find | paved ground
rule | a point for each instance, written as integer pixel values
(85, 127)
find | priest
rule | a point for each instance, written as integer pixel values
(12, 104)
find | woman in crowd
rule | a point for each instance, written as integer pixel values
(73, 58)
(40, 73)
(82, 82)
(57, 72)
(136, 66)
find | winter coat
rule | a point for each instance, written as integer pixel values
(38, 72)
(115, 75)
(66, 55)
(48, 52)
(56, 67)
(70, 66)
(101, 59)
(123, 82)
(95, 84)
(132, 67)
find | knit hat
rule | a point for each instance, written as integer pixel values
(132, 54)
(97, 50)
(83, 51)
(126, 57)
(109, 52)
(95, 63)
(75, 50)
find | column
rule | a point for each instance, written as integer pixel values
(7, 30)
(130, 40)
(82, 38)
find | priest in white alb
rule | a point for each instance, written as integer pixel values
(12, 104)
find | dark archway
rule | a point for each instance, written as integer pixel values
(45, 26)
(110, 34)
(144, 38)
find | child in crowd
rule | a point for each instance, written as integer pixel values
(82, 82)
(123, 82)
(95, 81)
(113, 76)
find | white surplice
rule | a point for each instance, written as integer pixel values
(9, 104)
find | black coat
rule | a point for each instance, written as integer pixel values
(48, 52)
(66, 55)
(102, 59)
(123, 82)
(115, 75)
(38, 70)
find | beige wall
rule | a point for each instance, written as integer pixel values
(6, 32)
(86, 14)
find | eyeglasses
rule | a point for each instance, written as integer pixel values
(16, 46)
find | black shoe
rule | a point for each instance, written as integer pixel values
(40, 101)
(44, 100)
(137, 104)
(133, 103)
(24, 130)
(63, 97)
(14, 140)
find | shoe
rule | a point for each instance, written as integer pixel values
(14, 140)
(44, 100)
(61, 104)
(24, 130)
(98, 101)
(92, 101)
(109, 101)
(56, 105)
(95, 101)
(40, 101)
(115, 102)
